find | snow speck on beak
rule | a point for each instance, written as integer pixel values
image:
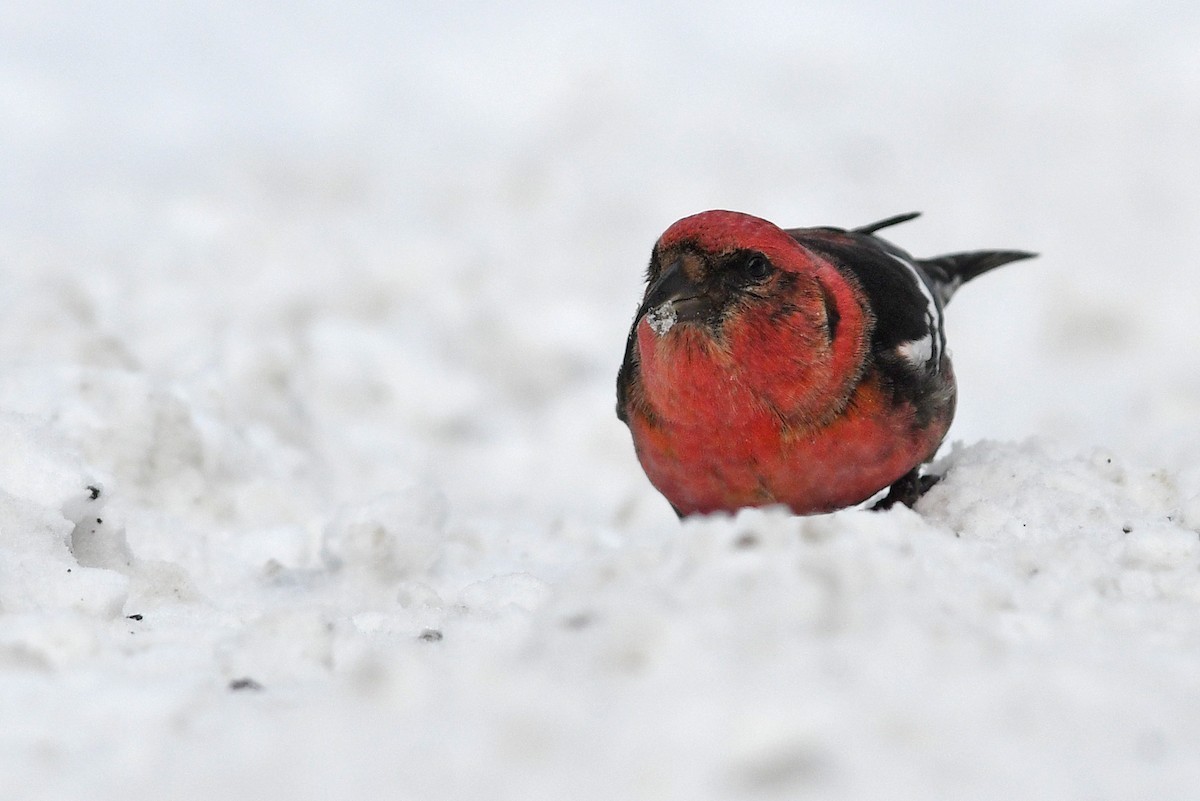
(662, 317)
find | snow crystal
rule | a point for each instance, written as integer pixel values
(662, 317)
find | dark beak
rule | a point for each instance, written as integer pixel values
(689, 300)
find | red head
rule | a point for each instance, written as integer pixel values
(737, 315)
(727, 231)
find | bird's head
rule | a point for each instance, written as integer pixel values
(735, 305)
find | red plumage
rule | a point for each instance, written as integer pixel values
(768, 366)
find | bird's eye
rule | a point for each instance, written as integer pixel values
(757, 267)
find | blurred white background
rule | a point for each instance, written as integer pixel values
(509, 167)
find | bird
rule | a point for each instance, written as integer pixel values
(803, 367)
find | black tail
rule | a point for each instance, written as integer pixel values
(951, 271)
(890, 221)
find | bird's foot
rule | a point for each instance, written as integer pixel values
(907, 490)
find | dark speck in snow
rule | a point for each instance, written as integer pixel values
(244, 684)
(93, 492)
(430, 635)
(746, 541)
(578, 621)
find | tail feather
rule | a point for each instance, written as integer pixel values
(890, 221)
(951, 271)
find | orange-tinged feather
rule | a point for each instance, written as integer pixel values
(715, 463)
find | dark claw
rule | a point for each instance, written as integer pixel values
(907, 490)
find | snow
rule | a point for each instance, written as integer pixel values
(662, 317)
(327, 302)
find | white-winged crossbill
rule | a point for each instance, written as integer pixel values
(804, 367)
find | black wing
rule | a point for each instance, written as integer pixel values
(942, 274)
(901, 296)
(907, 294)
(907, 340)
(626, 373)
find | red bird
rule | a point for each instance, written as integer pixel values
(804, 367)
